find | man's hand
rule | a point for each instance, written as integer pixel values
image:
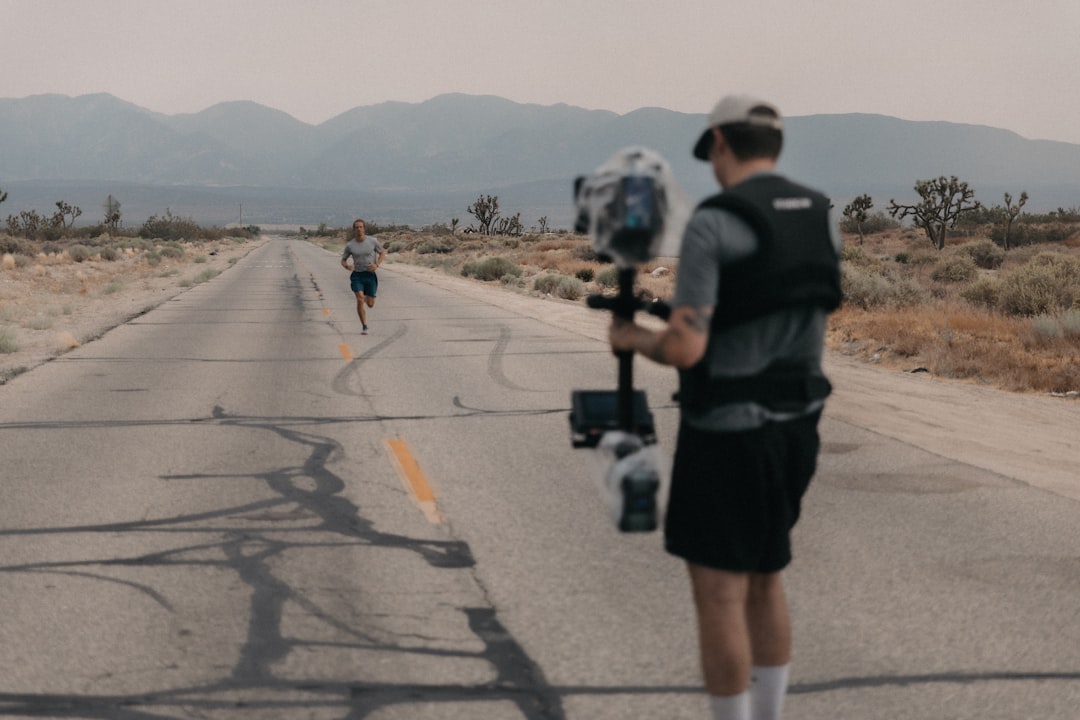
(622, 334)
(682, 343)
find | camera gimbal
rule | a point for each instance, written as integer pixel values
(626, 208)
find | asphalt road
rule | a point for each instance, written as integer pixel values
(236, 506)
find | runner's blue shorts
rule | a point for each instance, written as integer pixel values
(364, 281)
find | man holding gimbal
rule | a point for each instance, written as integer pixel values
(758, 275)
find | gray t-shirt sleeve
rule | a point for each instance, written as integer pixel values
(702, 256)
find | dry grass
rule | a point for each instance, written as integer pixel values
(51, 302)
(952, 337)
(914, 315)
(960, 342)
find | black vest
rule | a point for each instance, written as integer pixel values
(795, 265)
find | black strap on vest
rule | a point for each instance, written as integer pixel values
(779, 387)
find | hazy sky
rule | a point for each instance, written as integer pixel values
(1007, 64)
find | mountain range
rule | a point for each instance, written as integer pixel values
(421, 163)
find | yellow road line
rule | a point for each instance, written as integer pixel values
(413, 479)
(345, 351)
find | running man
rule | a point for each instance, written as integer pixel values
(367, 254)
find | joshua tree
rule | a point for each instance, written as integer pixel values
(63, 211)
(486, 211)
(944, 200)
(112, 213)
(857, 210)
(1012, 212)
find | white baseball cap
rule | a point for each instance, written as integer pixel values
(737, 109)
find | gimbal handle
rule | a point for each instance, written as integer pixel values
(624, 305)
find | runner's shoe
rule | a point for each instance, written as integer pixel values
(364, 331)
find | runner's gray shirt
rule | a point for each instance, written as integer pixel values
(363, 253)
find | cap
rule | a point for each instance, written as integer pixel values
(737, 109)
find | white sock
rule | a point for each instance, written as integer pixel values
(768, 686)
(730, 707)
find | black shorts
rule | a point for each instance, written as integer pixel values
(735, 496)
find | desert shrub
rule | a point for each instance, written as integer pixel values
(153, 259)
(955, 269)
(492, 268)
(109, 254)
(585, 251)
(570, 288)
(608, 277)
(15, 246)
(207, 274)
(39, 322)
(984, 292)
(396, 246)
(8, 343)
(79, 253)
(1047, 284)
(923, 256)
(874, 223)
(561, 286)
(868, 289)
(172, 250)
(546, 283)
(169, 227)
(856, 255)
(432, 246)
(138, 244)
(905, 292)
(585, 274)
(1046, 327)
(200, 259)
(863, 289)
(206, 233)
(1070, 323)
(1024, 233)
(985, 253)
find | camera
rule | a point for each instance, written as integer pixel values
(624, 206)
(631, 208)
(628, 221)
